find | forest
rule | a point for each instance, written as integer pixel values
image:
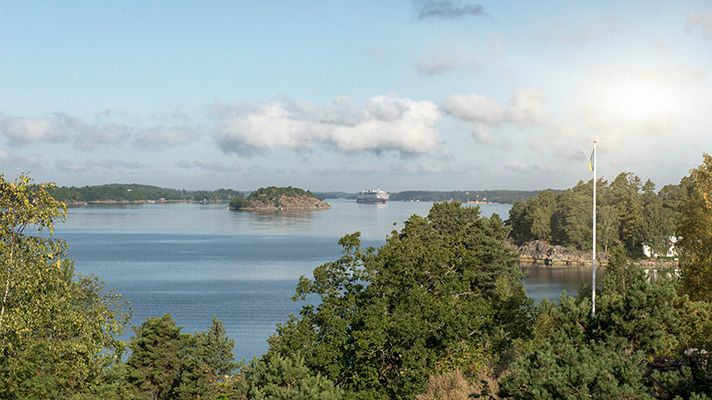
(135, 192)
(438, 312)
(630, 213)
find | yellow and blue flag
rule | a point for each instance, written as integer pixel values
(590, 161)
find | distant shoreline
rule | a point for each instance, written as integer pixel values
(137, 202)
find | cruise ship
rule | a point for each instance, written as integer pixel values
(372, 196)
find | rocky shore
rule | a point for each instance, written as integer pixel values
(284, 202)
(544, 253)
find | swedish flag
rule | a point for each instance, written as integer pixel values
(590, 161)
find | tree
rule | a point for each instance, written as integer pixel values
(572, 217)
(695, 229)
(607, 226)
(214, 349)
(287, 378)
(154, 366)
(58, 332)
(625, 190)
(542, 211)
(655, 229)
(444, 290)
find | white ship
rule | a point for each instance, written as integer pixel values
(372, 196)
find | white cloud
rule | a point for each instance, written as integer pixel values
(22, 131)
(86, 165)
(61, 127)
(525, 108)
(702, 22)
(382, 123)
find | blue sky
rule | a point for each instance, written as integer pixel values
(337, 95)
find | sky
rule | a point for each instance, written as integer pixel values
(339, 96)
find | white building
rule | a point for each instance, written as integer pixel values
(671, 251)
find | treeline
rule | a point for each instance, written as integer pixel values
(438, 312)
(493, 196)
(135, 192)
(629, 213)
(336, 195)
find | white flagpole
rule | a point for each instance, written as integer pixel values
(593, 253)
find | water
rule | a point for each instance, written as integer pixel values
(196, 261)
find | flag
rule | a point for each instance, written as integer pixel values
(590, 161)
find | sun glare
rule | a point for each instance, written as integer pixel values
(635, 101)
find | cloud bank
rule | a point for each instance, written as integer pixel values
(64, 128)
(86, 165)
(382, 123)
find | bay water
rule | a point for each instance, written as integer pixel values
(196, 261)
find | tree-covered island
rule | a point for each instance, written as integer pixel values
(273, 198)
(135, 193)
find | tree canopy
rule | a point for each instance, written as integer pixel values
(630, 213)
(57, 330)
(445, 291)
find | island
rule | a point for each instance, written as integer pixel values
(273, 198)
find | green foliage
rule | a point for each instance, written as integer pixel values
(445, 290)
(269, 197)
(287, 378)
(272, 195)
(695, 246)
(214, 349)
(167, 364)
(57, 331)
(635, 347)
(237, 202)
(629, 213)
(155, 361)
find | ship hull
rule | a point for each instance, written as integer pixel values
(371, 201)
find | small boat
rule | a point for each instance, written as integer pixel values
(372, 196)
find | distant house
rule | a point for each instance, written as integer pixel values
(671, 251)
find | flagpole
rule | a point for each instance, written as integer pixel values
(593, 253)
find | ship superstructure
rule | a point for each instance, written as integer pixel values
(372, 196)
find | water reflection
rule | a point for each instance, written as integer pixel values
(374, 221)
(548, 282)
(267, 220)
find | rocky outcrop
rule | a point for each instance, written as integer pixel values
(284, 202)
(542, 252)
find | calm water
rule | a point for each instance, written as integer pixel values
(195, 261)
